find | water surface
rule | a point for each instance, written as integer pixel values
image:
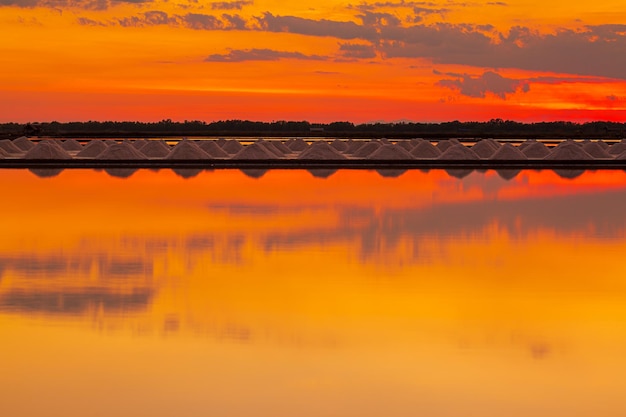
(291, 294)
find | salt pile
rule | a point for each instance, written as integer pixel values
(603, 144)
(298, 145)
(187, 150)
(354, 146)
(596, 150)
(121, 151)
(139, 144)
(213, 149)
(458, 152)
(321, 151)
(526, 144)
(232, 146)
(9, 147)
(156, 149)
(485, 148)
(92, 149)
(367, 149)
(617, 149)
(340, 145)
(47, 150)
(508, 152)
(271, 148)
(536, 150)
(281, 147)
(425, 150)
(254, 151)
(568, 151)
(389, 152)
(72, 145)
(23, 143)
(406, 144)
(443, 145)
(3, 153)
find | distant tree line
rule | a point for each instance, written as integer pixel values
(496, 128)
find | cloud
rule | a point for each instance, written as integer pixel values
(230, 5)
(354, 50)
(324, 27)
(259, 55)
(487, 83)
(67, 4)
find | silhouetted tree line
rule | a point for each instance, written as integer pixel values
(497, 128)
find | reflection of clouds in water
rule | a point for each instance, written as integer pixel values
(75, 301)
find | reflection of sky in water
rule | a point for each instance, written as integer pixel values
(296, 295)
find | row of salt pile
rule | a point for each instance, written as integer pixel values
(374, 150)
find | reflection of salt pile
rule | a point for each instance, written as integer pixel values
(156, 149)
(366, 149)
(321, 172)
(297, 145)
(46, 172)
(47, 150)
(187, 172)
(390, 152)
(535, 150)
(486, 148)
(458, 152)
(232, 146)
(508, 152)
(213, 149)
(120, 172)
(72, 145)
(23, 143)
(121, 151)
(568, 151)
(9, 147)
(390, 173)
(253, 151)
(92, 149)
(254, 173)
(596, 150)
(187, 150)
(321, 151)
(425, 150)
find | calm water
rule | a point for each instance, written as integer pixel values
(292, 295)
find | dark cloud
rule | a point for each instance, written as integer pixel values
(592, 51)
(488, 83)
(259, 55)
(324, 27)
(354, 50)
(230, 5)
(67, 4)
(89, 22)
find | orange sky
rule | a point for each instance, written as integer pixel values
(322, 61)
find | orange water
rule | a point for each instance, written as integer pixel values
(292, 295)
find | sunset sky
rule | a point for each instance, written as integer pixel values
(322, 61)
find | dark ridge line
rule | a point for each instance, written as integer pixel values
(309, 164)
